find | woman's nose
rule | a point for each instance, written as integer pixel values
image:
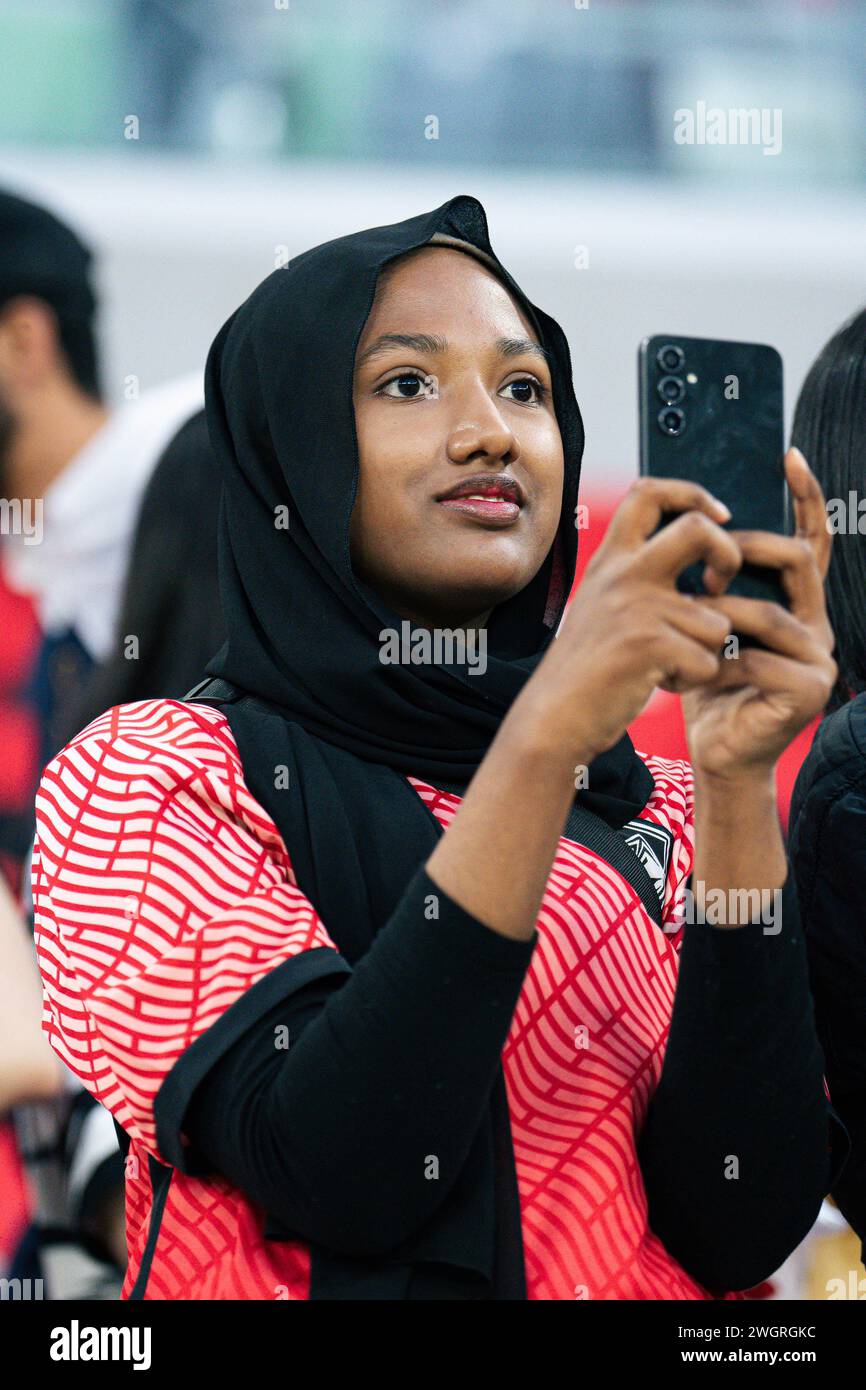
(487, 436)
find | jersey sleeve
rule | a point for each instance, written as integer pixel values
(164, 904)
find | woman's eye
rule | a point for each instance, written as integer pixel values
(526, 390)
(405, 387)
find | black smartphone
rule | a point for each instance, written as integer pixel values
(712, 412)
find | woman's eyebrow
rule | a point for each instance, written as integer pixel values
(416, 342)
(513, 347)
(431, 343)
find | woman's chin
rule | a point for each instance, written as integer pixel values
(497, 574)
(476, 592)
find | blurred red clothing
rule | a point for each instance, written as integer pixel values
(18, 767)
(18, 775)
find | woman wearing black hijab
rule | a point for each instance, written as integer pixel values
(355, 1056)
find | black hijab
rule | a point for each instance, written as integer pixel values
(325, 730)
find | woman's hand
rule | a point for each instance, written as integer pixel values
(810, 509)
(629, 629)
(742, 719)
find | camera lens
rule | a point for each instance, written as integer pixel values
(670, 358)
(671, 389)
(672, 420)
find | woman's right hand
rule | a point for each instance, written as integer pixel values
(629, 629)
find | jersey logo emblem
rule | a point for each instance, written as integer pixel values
(652, 844)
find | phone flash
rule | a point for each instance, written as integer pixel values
(691, 378)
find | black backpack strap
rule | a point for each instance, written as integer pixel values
(213, 690)
(160, 1181)
(122, 1139)
(590, 830)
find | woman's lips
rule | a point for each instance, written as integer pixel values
(489, 511)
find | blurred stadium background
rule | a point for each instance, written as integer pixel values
(193, 143)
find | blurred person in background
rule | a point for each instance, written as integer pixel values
(73, 468)
(72, 474)
(828, 810)
(354, 852)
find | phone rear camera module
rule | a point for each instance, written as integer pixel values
(671, 389)
(670, 358)
(672, 421)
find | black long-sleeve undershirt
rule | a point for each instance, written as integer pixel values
(390, 1066)
(735, 1151)
(388, 1069)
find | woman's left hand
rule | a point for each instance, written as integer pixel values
(740, 722)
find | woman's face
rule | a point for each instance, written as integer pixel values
(452, 391)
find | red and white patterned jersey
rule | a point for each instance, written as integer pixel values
(163, 893)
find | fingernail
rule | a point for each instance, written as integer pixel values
(722, 510)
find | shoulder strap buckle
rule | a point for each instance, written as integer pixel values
(213, 690)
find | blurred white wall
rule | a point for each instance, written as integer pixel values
(181, 244)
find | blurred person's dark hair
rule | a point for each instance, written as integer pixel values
(171, 604)
(42, 258)
(830, 430)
